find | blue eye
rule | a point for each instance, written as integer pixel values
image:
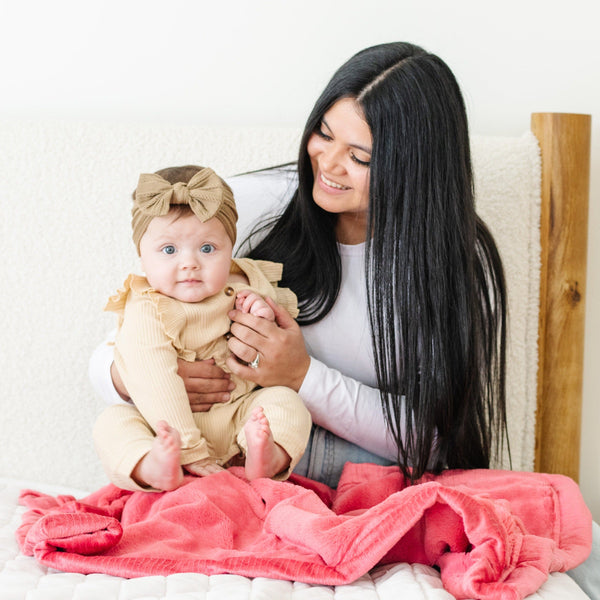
(207, 248)
(168, 250)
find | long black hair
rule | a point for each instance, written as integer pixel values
(435, 284)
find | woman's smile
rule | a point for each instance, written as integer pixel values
(333, 184)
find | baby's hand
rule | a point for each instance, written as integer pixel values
(203, 467)
(249, 302)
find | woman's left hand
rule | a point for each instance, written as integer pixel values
(282, 355)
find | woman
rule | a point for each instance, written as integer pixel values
(401, 291)
(400, 286)
(385, 164)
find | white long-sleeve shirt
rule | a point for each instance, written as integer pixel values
(340, 386)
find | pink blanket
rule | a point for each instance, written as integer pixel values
(493, 534)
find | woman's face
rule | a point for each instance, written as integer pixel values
(340, 153)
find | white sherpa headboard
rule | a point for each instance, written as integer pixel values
(66, 246)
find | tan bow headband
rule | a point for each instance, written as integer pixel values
(206, 194)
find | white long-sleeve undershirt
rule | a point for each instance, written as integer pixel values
(340, 386)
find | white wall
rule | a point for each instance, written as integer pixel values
(265, 61)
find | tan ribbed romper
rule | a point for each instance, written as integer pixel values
(154, 330)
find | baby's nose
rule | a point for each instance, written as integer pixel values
(188, 261)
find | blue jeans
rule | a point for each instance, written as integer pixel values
(326, 455)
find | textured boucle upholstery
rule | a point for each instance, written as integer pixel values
(66, 245)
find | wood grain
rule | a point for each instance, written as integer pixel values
(565, 147)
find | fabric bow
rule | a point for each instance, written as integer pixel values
(203, 193)
(206, 194)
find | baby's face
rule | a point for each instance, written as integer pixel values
(185, 258)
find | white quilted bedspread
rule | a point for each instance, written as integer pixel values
(22, 578)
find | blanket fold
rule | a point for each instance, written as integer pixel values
(492, 534)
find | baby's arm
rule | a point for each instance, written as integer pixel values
(250, 302)
(147, 362)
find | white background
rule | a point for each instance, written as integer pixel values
(265, 62)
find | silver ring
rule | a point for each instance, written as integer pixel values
(254, 363)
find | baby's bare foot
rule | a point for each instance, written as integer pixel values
(203, 467)
(264, 458)
(160, 468)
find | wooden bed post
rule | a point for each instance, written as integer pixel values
(565, 145)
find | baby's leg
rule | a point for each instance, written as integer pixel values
(160, 468)
(264, 457)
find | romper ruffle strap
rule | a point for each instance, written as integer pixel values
(256, 269)
(169, 312)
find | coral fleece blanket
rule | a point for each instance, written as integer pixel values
(493, 534)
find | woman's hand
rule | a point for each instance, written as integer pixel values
(205, 383)
(283, 359)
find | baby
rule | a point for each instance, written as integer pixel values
(184, 228)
